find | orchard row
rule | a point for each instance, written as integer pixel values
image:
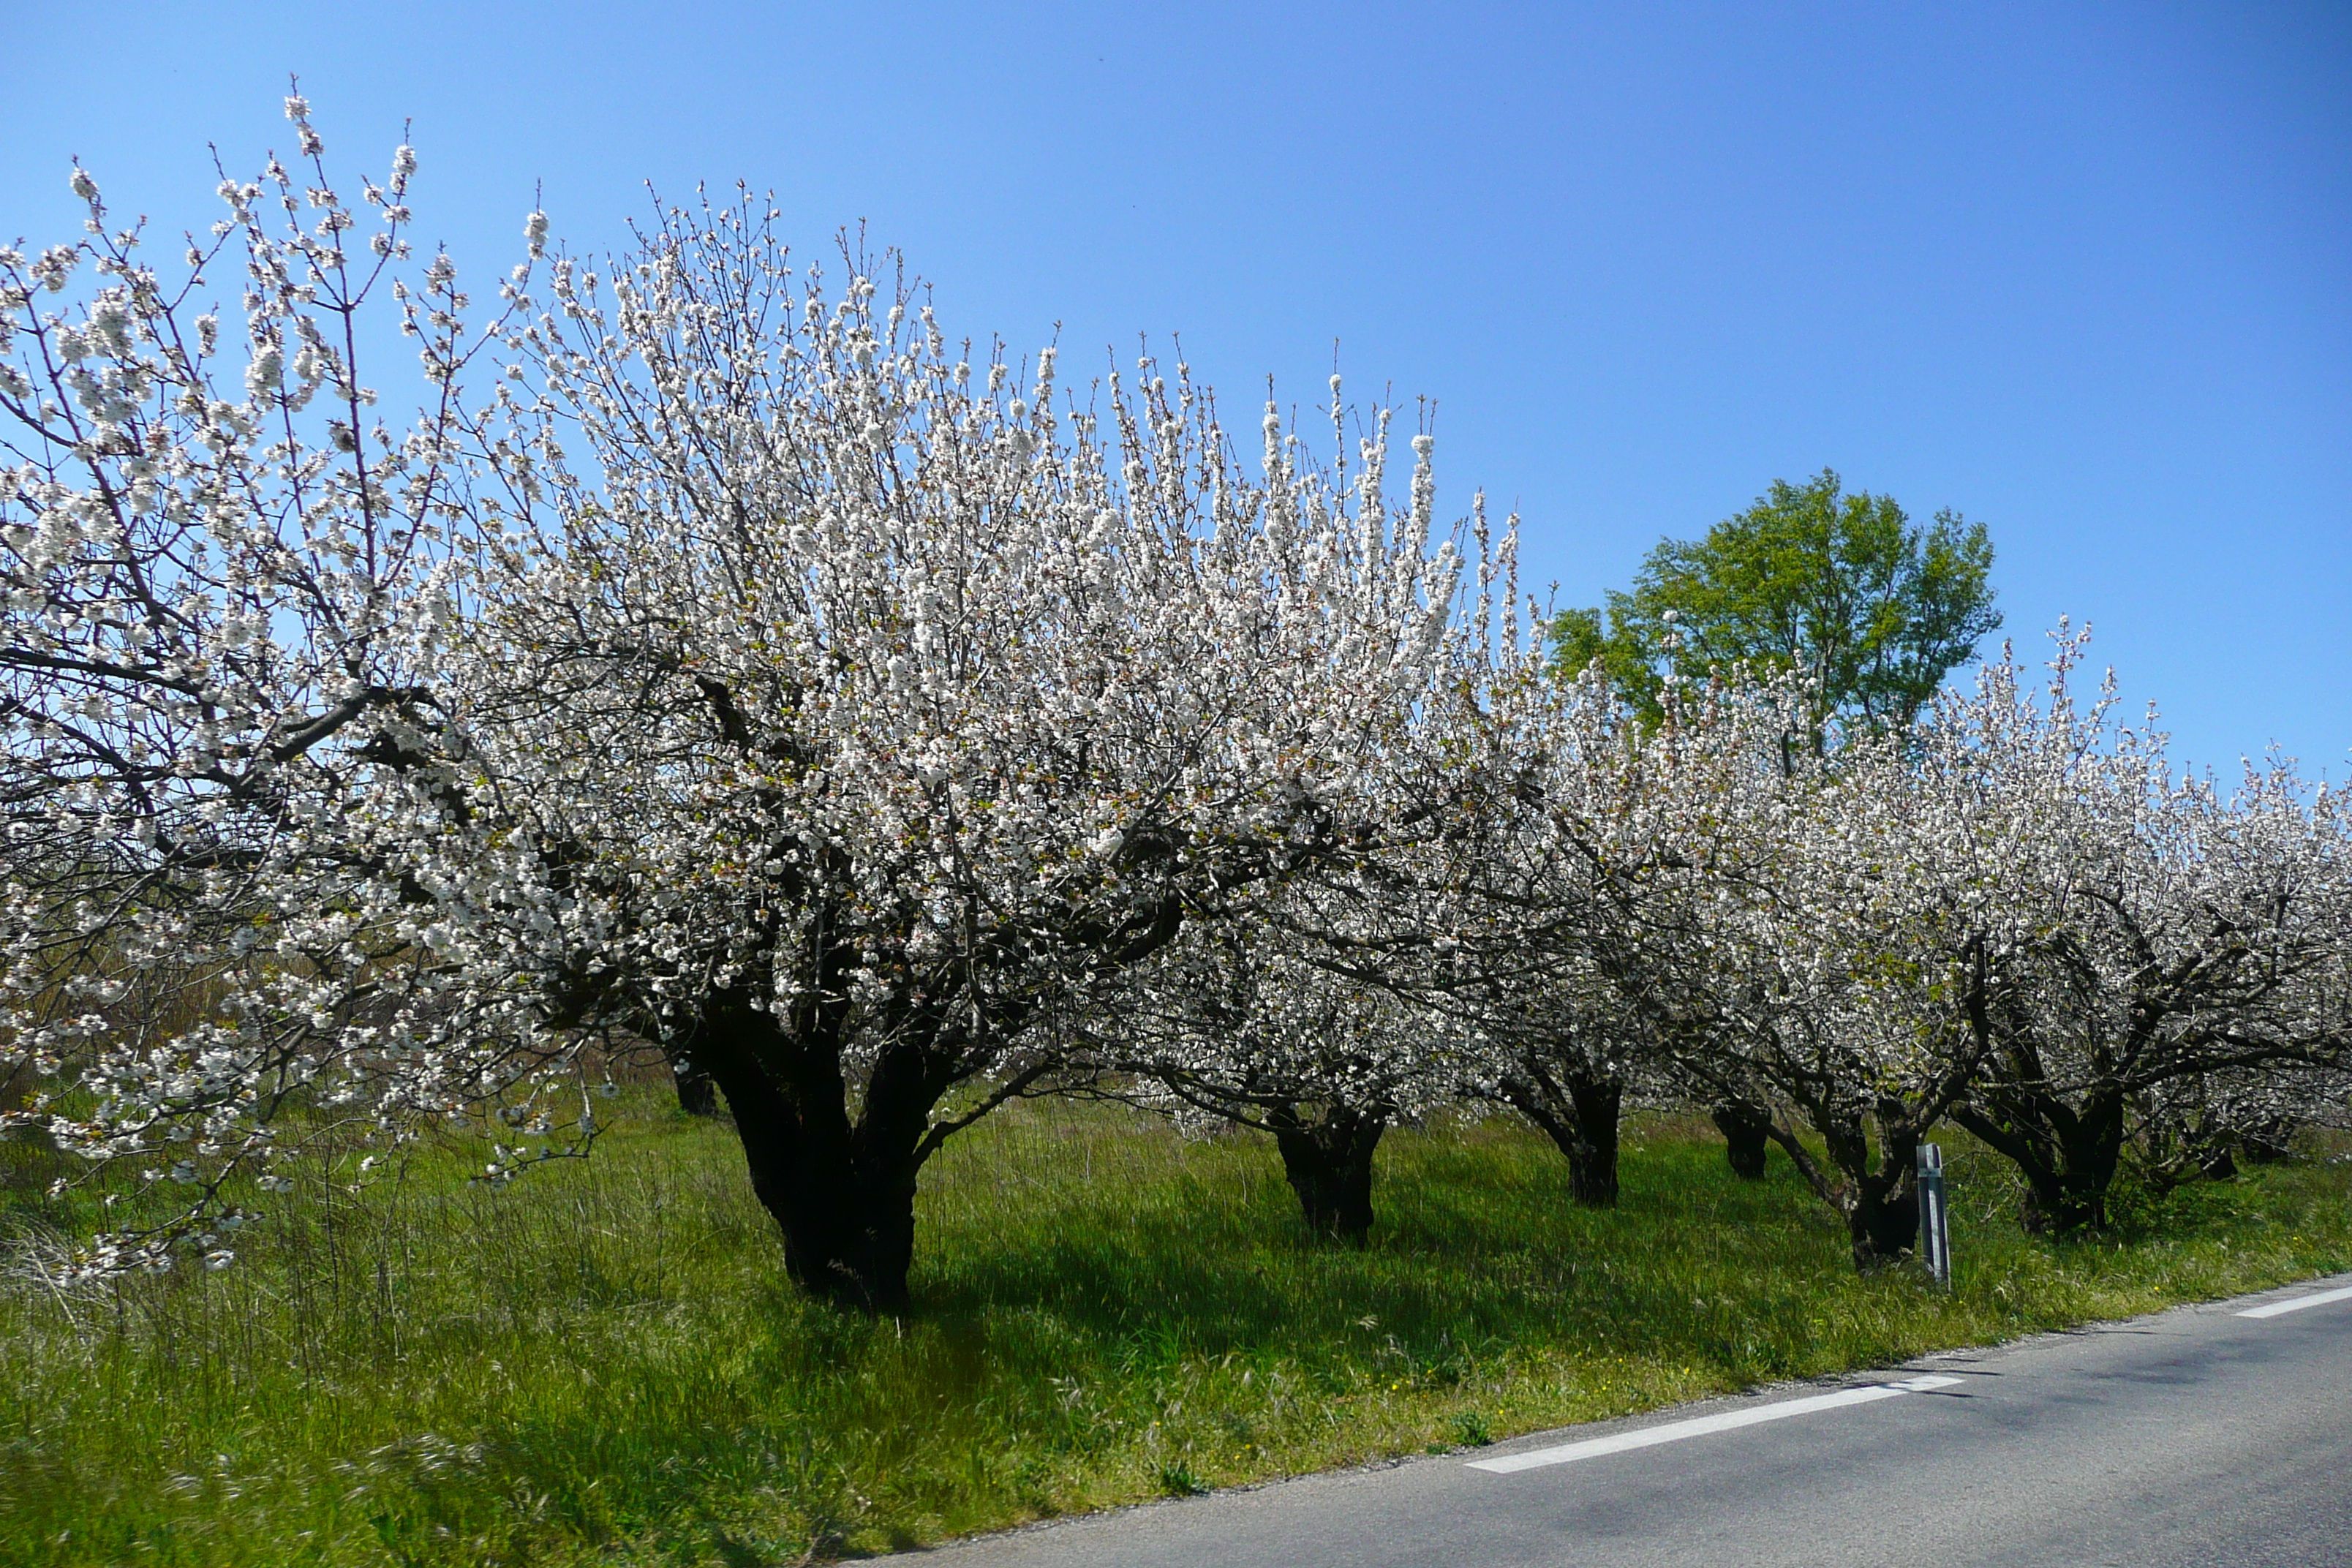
(722, 662)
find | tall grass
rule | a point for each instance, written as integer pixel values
(603, 1363)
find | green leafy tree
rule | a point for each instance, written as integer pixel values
(1870, 608)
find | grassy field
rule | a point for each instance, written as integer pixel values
(603, 1363)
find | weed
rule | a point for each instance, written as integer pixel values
(1177, 1479)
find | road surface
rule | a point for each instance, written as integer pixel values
(2219, 1435)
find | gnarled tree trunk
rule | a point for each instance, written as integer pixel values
(1883, 1221)
(2069, 1157)
(697, 1095)
(1579, 1112)
(2268, 1142)
(1746, 1134)
(1879, 1201)
(843, 1192)
(1329, 1160)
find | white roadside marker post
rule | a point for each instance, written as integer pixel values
(1934, 1230)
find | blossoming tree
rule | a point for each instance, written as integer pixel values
(223, 628)
(870, 710)
(2187, 950)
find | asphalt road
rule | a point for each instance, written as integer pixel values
(2196, 1436)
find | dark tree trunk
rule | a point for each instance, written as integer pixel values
(2183, 1147)
(697, 1094)
(2068, 1158)
(1579, 1113)
(1329, 1162)
(1883, 1223)
(2268, 1142)
(843, 1192)
(1882, 1209)
(1596, 1104)
(1880, 1202)
(1746, 1134)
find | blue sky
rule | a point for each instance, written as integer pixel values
(2078, 271)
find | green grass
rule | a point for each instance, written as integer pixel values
(603, 1363)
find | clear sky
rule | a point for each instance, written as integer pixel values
(2078, 271)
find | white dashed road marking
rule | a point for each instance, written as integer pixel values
(2298, 1303)
(1699, 1427)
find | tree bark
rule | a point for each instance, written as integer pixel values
(2068, 1158)
(1879, 1202)
(1882, 1208)
(2268, 1142)
(1329, 1162)
(697, 1095)
(1883, 1223)
(1579, 1113)
(843, 1192)
(1746, 1134)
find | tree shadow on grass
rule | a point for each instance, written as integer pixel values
(1476, 1246)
